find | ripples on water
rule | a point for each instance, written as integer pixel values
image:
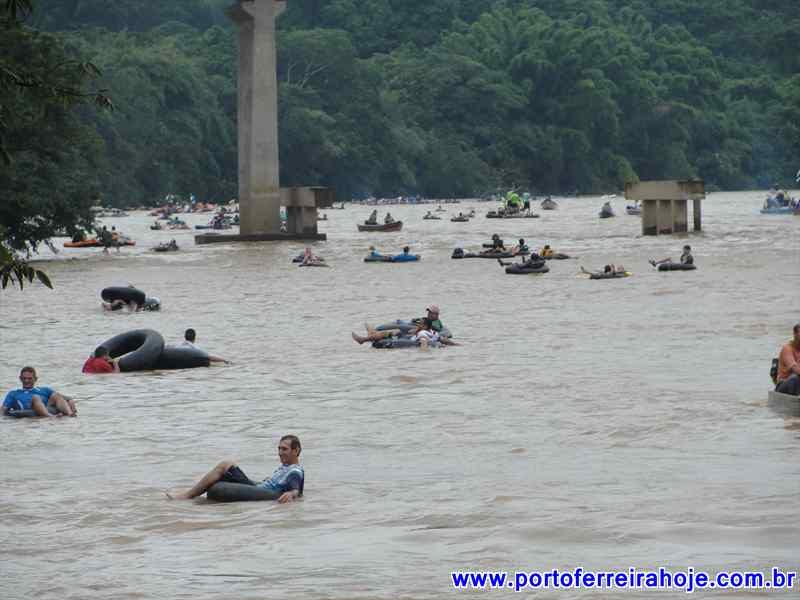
(595, 423)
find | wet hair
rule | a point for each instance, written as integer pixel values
(796, 329)
(190, 335)
(607, 269)
(687, 247)
(100, 352)
(294, 442)
(521, 241)
(28, 370)
(406, 248)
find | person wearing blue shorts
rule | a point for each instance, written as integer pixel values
(43, 401)
(286, 481)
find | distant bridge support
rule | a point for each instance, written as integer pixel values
(665, 204)
(260, 194)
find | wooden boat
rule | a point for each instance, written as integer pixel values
(395, 226)
(784, 403)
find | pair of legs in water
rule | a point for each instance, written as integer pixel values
(58, 404)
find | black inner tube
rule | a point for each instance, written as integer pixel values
(128, 294)
(139, 349)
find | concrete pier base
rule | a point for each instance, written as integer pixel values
(665, 204)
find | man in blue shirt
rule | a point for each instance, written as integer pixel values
(43, 401)
(287, 480)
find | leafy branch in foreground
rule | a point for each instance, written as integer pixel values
(16, 272)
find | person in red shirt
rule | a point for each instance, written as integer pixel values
(789, 365)
(101, 362)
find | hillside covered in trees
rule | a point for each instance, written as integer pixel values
(437, 97)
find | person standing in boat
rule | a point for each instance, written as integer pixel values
(789, 365)
(373, 218)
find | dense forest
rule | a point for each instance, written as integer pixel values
(389, 97)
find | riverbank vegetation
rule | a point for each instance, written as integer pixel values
(435, 97)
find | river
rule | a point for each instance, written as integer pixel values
(602, 424)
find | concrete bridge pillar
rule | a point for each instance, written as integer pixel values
(665, 204)
(260, 194)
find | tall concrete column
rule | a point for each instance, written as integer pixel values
(259, 174)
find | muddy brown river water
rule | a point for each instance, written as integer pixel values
(605, 424)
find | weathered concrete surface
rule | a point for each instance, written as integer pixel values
(259, 179)
(665, 204)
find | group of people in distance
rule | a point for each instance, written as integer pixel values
(426, 330)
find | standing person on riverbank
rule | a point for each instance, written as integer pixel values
(43, 401)
(789, 365)
(287, 481)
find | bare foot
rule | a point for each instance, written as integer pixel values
(176, 496)
(358, 338)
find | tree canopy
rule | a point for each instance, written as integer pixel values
(437, 97)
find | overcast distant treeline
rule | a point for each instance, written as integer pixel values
(435, 97)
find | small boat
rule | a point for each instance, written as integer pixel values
(633, 209)
(460, 219)
(784, 403)
(778, 210)
(394, 226)
(549, 204)
(156, 228)
(431, 218)
(322, 217)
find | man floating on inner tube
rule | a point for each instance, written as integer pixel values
(37, 401)
(285, 483)
(686, 258)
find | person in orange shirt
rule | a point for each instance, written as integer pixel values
(789, 365)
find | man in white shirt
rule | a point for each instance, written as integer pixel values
(188, 340)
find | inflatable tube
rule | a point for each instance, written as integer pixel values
(527, 269)
(378, 259)
(182, 357)
(396, 342)
(139, 349)
(609, 275)
(29, 413)
(671, 266)
(128, 294)
(459, 253)
(406, 258)
(224, 491)
(152, 304)
(559, 256)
